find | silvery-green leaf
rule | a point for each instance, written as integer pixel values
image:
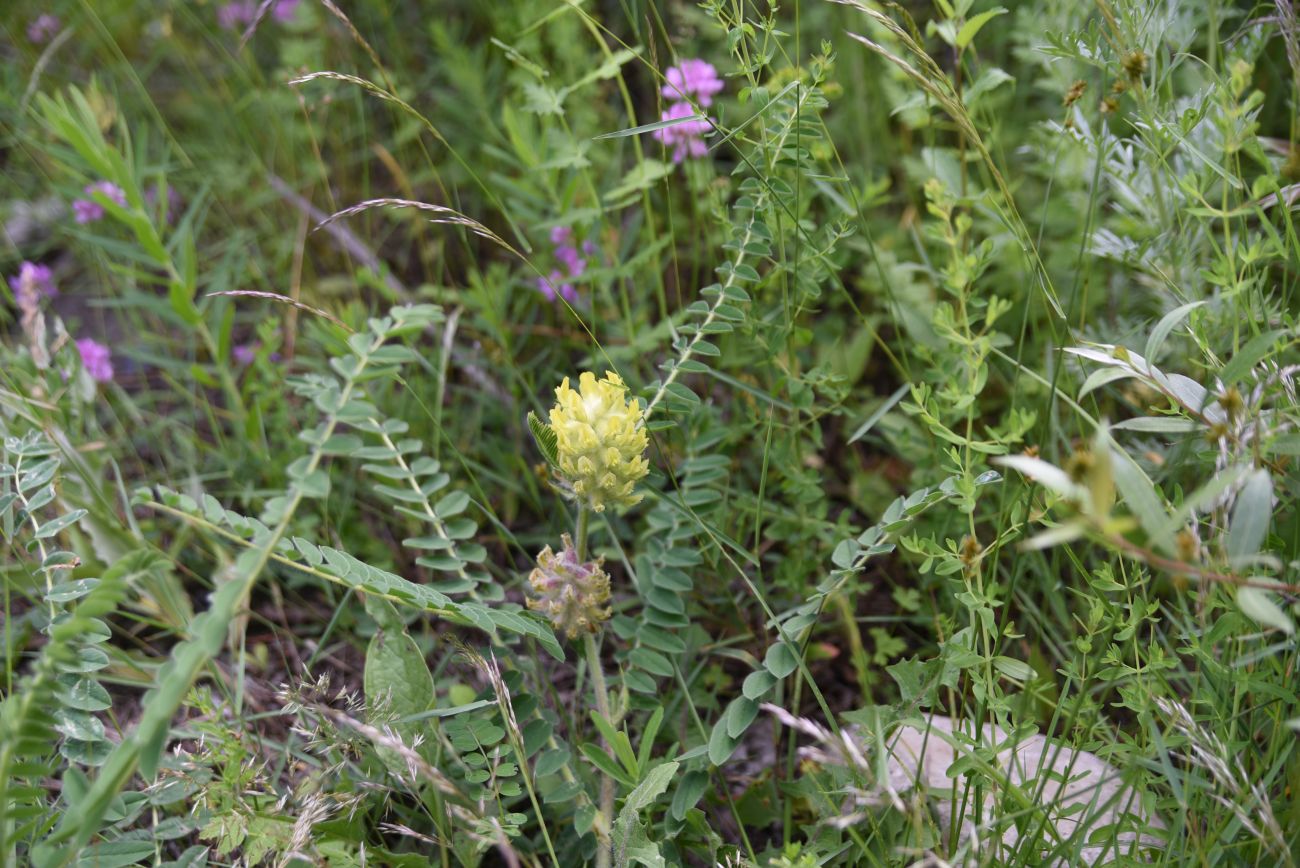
(1251, 515)
(1166, 325)
(1261, 606)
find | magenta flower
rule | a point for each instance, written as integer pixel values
(239, 14)
(284, 10)
(43, 29)
(692, 79)
(554, 284)
(685, 138)
(573, 265)
(236, 14)
(96, 360)
(32, 281)
(89, 210)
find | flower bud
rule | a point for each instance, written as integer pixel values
(572, 594)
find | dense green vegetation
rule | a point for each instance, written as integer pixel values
(576, 432)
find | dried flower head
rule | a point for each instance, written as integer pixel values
(1135, 64)
(1075, 92)
(571, 593)
(600, 441)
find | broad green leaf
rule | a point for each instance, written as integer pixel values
(721, 745)
(651, 788)
(689, 791)
(781, 660)
(396, 679)
(1251, 516)
(1166, 325)
(973, 25)
(1249, 355)
(1262, 606)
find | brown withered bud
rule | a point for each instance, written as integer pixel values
(1188, 546)
(1232, 402)
(1135, 64)
(1076, 90)
(1079, 465)
(1109, 105)
(970, 550)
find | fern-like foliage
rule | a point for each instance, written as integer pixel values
(668, 554)
(374, 354)
(850, 557)
(337, 566)
(414, 484)
(55, 707)
(52, 706)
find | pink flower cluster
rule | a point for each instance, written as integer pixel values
(32, 282)
(692, 82)
(89, 210)
(238, 14)
(96, 360)
(572, 266)
(43, 29)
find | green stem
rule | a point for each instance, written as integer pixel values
(584, 519)
(606, 819)
(601, 691)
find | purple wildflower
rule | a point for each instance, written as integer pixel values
(692, 79)
(43, 29)
(237, 14)
(573, 265)
(685, 138)
(554, 284)
(569, 258)
(87, 210)
(284, 10)
(244, 353)
(96, 360)
(90, 210)
(32, 281)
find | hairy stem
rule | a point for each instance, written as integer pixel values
(606, 818)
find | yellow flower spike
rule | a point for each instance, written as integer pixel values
(600, 441)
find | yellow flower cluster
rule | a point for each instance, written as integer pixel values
(600, 441)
